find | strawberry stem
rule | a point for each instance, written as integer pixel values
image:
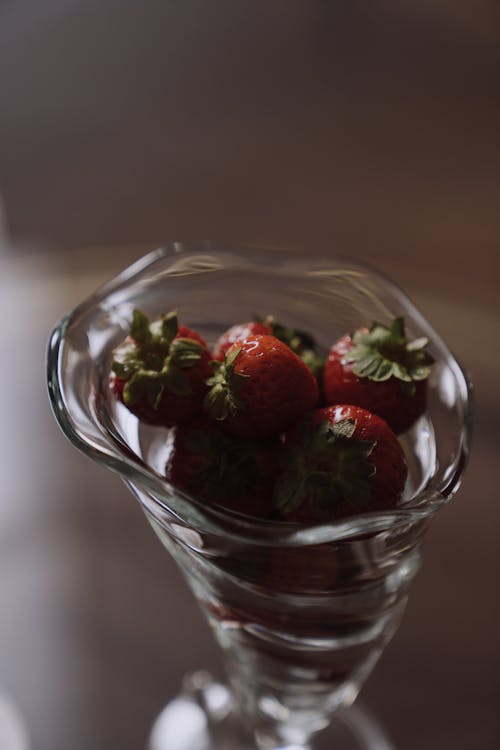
(328, 465)
(222, 400)
(383, 352)
(155, 359)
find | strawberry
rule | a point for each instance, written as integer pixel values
(159, 372)
(379, 370)
(300, 342)
(239, 332)
(260, 388)
(235, 473)
(339, 461)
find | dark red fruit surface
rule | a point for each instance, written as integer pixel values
(261, 388)
(232, 472)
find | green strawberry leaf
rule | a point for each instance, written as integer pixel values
(155, 389)
(230, 360)
(328, 466)
(397, 330)
(297, 340)
(120, 369)
(289, 492)
(140, 327)
(176, 381)
(419, 362)
(134, 389)
(230, 468)
(355, 471)
(154, 360)
(417, 344)
(383, 352)
(169, 326)
(222, 400)
(185, 352)
(315, 362)
(221, 403)
(216, 402)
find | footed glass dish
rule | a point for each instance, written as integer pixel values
(301, 613)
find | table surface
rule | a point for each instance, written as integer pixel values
(360, 132)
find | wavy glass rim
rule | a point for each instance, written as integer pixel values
(216, 519)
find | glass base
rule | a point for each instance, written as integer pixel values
(202, 717)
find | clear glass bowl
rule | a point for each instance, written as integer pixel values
(301, 613)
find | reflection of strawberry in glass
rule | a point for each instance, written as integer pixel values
(379, 370)
(339, 461)
(159, 372)
(217, 468)
(296, 570)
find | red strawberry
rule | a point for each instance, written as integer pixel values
(340, 461)
(380, 371)
(239, 332)
(300, 342)
(159, 372)
(261, 388)
(235, 473)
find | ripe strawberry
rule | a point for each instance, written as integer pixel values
(159, 372)
(235, 473)
(260, 388)
(239, 332)
(340, 461)
(380, 371)
(300, 342)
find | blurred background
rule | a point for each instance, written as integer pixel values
(366, 129)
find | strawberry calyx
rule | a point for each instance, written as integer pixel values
(231, 469)
(222, 399)
(154, 359)
(300, 342)
(327, 465)
(383, 352)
